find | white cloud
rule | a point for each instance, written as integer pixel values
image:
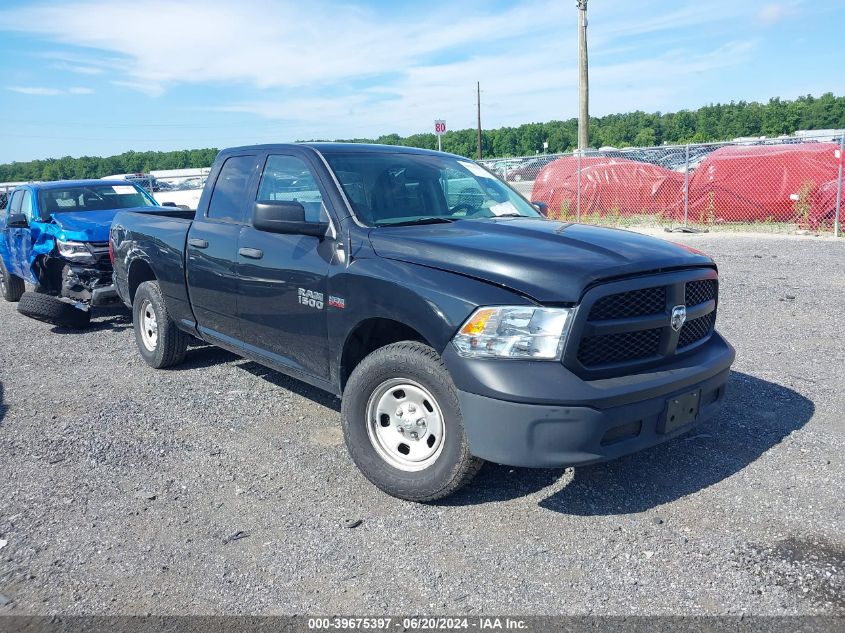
(78, 69)
(771, 13)
(50, 92)
(330, 69)
(35, 90)
(148, 88)
(266, 44)
(516, 88)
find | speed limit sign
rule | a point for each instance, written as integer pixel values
(439, 127)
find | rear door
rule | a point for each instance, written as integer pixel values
(283, 299)
(211, 251)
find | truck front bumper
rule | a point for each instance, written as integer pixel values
(103, 296)
(537, 414)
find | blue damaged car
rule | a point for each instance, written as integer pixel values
(55, 237)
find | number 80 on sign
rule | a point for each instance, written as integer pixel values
(440, 127)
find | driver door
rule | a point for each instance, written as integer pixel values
(20, 238)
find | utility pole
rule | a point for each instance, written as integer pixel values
(583, 79)
(478, 103)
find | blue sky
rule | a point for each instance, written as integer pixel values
(99, 77)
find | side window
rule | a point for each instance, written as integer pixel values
(288, 178)
(17, 197)
(229, 196)
(26, 204)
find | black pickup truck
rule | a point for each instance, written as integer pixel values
(456, 322)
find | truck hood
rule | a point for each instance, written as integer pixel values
(87, 226)
(551, 262)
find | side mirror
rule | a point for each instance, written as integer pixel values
(17, 221)
(279, 216)
(542, 207)
(169, 204)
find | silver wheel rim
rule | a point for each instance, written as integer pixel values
(405, 424)
(2, 282)
(149, 325)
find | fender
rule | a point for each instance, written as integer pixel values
(433, 302)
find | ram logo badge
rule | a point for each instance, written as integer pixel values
(310, 298)
(679, 317)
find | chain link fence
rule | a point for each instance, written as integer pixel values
(784, 184)
(181, 187)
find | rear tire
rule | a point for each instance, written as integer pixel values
(11, 286)
(420, 454)
(159, 341)
(53, 310)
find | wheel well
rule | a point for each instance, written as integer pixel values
(370, 335)
(139, 272)
(48, 271)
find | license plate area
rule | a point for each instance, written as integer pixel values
(680, 411)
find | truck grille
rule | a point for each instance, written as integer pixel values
(628, 304)
(697, 329)
(624, 325)
(697, 292)
(617, 348)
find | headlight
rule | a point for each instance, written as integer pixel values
(73, 250)
(514, 332)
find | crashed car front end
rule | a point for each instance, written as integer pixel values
(86, 275)
(76, 271)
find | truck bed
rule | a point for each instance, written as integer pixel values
(158, 236)
(171, 212)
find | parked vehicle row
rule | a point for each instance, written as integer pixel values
(455, 321)
(180, 192)
(735, 183)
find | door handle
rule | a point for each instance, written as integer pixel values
(251, 253)
(197, 243)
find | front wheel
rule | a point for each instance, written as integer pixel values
(160, 342)
(11, 286)
(403, 426)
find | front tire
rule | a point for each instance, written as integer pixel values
(159, 341)
(11, 286)
(403, 426)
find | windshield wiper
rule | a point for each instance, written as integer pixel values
(430, 220)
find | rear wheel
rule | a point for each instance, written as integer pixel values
(53, 310)
(160, 342)
(11, 286)
(402, 424)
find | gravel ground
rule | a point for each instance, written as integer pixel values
(224, 487)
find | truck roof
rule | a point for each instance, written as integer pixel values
(336, 148)
(56, 184)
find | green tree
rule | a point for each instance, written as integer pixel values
(712, 122)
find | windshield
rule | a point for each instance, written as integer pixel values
(92, 198)
(393, 188)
